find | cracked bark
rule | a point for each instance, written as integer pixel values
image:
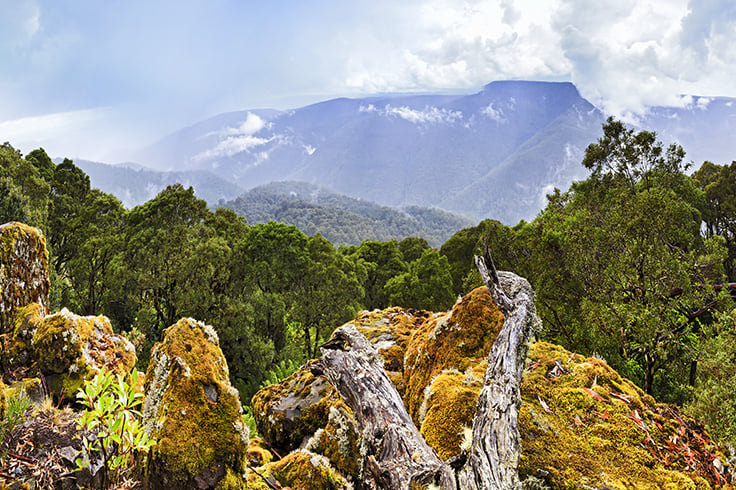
(394, 454)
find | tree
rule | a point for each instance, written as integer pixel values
(382, 261)
(718, 182)
(161, 241)
(427, 285)
(606, 255)
(327, 294)
(714, 400)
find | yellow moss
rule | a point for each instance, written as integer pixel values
(450, 341)
(71, 349)
(191, 410)
(17, 345)
(302, 470)
(339, 441)
(585, 425)
(258, 454)
(450, 407)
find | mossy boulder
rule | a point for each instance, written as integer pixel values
(299, 470)
(455, 340)
(17, 343)
(289, 412)
(24, 271)
(70, 349)
(192, 413)
(449, 406)
(390, 331)
(339, 441)
(583, 425)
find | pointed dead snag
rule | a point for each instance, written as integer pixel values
(394, 454)
(494, 456)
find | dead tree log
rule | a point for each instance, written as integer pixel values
(492, 462)
(395, 454)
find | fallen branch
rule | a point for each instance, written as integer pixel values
(395, 454)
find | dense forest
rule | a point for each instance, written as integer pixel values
(631, 264)
(342, 219)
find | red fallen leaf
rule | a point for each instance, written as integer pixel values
(534, 366)
(647, 439)
(658, 425)
(594, 395)
(603, 415)
(621, 396)
(637, 420)
(544, 405)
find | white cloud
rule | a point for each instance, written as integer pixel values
(494, 114)
(250, 126)
(428, 115)
(624, 55)
(240, 138)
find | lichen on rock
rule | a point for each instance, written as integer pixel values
(71, 349)
(290, 412)
(193, 413)
(24, 270)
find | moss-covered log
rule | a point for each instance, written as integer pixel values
(394, 453)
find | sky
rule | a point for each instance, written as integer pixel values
(100, 79)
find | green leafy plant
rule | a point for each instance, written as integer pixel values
(111, 425)
(14, 415)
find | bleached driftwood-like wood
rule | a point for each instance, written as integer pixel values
(394, 453)
(492, 462)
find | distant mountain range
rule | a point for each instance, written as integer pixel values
(342, 219)
(492, 154)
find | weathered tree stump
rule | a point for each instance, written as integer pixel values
(494, 456)
(394, 454)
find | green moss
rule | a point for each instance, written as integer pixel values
(191, 410)
(458, 340)
(582, 424)
(24, 276)
(449, 404)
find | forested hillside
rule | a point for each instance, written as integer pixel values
(342, 219)
(631, 264)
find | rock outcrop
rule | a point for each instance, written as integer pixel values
(192, 413)
(70, 349)
(24, 271)
(580, 422)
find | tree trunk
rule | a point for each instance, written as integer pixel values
(494, 455)
(394, 454)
